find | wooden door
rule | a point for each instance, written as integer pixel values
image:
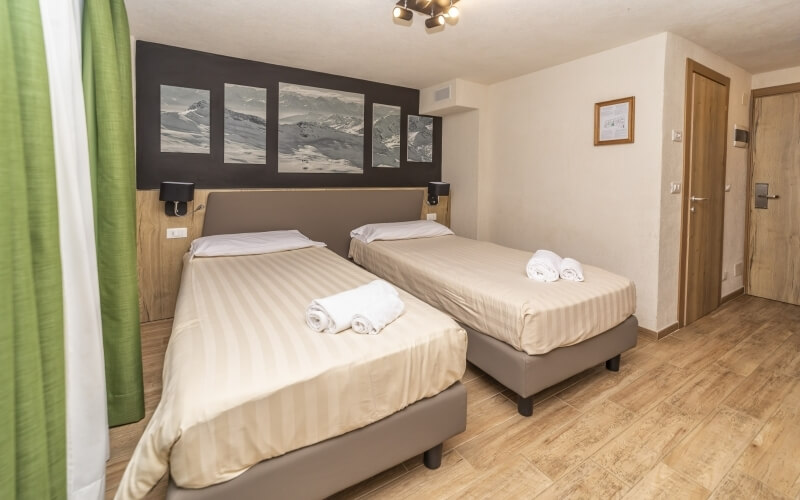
(704, 194)
(774, 231)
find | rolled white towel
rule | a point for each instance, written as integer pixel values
(543, 266)
(377, 315)
(335, 313)
(570, 269)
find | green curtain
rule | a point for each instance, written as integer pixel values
(32, 394)
(109, 115)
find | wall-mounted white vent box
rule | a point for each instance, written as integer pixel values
(442, 94)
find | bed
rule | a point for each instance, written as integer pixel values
(527, 335)
(254, 403)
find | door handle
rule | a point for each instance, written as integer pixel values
(763, 196)
(697, 198)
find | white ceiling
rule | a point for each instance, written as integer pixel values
(494, 39)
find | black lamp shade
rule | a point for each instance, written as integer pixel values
(437, 189)
(176, 191)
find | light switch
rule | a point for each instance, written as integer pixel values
(176, 232)
(727, 188)
(674, 187)
(431, 216)
(677, 136)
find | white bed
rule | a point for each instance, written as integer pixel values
(245, 380)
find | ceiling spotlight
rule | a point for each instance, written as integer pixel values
(452, 11)
(434, 21)
(402, 13)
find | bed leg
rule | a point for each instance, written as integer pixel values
(613, 363)
(525, 406)
(433, 457)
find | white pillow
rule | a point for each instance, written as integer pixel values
(250, 243)
(400, 231)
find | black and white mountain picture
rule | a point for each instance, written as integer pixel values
(245, 124)
(420, 139)
(320, 130)
(185, 120)
(385, 136)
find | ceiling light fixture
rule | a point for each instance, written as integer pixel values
(452, 11)
(439, 11)
(402, 12)
(434, 21)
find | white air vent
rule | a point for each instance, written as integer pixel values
(442, 94)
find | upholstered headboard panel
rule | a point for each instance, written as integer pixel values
(322, 215)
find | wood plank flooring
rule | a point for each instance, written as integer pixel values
(711, 411)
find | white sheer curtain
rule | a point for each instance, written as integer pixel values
(87, 419)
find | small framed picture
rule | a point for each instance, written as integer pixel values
(614, 121)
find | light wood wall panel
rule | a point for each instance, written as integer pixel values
(161, 260)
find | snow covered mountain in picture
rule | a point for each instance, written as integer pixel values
(320, 130)
(245, 124)
(385, 136)
(185, 120)
(420, 139)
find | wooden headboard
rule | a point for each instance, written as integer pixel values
(161, 259)
(326, 216)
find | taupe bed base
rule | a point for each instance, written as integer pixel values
(528, 374)
(324, 468)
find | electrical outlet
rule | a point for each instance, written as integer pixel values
(431, 216)
(176, 232)
(738, 268)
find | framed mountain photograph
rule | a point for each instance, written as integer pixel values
(245, 124)
(320, 130)
(185, 120)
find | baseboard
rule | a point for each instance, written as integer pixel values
(731, 296)
(653, 335)
(674, 327)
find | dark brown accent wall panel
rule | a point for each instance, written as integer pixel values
(158, 65)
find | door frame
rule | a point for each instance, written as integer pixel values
(789, 88)
(693, 66)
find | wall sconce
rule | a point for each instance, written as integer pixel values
(176, 194)
(437, 189)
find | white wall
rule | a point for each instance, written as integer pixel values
(539, 182)
(775, 78)
(460, 153)
(464, 115)
(678, 50)
(545, 184)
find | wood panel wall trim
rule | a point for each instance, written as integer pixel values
(160, 261)
(692, 66)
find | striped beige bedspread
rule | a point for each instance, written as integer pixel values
(245, 379)
(484, 286)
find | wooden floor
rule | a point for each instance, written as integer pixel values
(712, 410)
